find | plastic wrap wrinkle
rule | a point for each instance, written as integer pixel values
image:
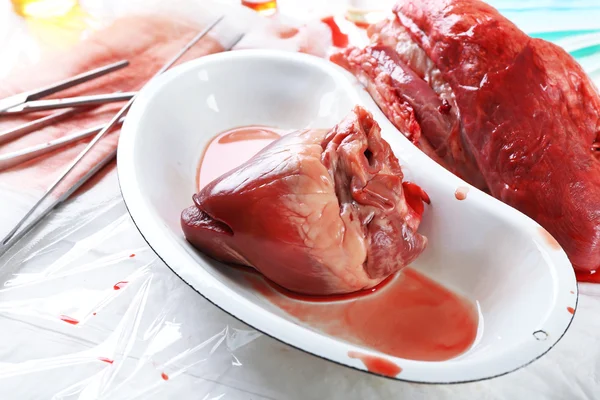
(67, 333)
(63, 296)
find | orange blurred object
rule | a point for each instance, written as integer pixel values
(43, 8)
(264, 7)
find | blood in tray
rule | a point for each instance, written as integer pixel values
(377, 365)
(408, 315)
(232, 148)
(411, 317)
(264, 7)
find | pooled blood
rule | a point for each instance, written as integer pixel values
(247, 133)
(69, 320)
(412, 317)
(232, 148)
(316, 299)
(377, 365)
(119, 285)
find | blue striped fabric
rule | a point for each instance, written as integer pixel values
(573, 25)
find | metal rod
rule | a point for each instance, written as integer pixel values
(67, 102)
(77, 80)
(101, 134)
(24, 97)
(15, 238)
(15, 158)
(32, 126)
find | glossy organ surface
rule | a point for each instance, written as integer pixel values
(316, 212)
(528, 115)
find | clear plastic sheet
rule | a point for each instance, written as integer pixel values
(87, 310)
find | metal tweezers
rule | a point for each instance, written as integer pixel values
(67, 102)
(15, 234)
(27, 102)
(25, 97)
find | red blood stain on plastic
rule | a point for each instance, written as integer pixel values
(132, 255)
(572, 292)
(571, 310)
(232, 148)
(587, 276)
(338, 38)
(377, 365)
(415, 196)
(164, 376)
(120, 285)
(287, 32)
(411, 317)
(69, 320)
(549, 239)
(93, 313)
(461, 193)
(106, 360)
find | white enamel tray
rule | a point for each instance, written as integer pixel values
(479, 247)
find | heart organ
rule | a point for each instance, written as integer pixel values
(318, 212)
(513, 115)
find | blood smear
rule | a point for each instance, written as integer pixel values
(415, 196)
(338, 38)
(69, 320)
(549, 239)
(571, 310)
(232, 148)
(412, 317)
(119, 285)
(164, 376)
(106, 360)
(377, 365)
